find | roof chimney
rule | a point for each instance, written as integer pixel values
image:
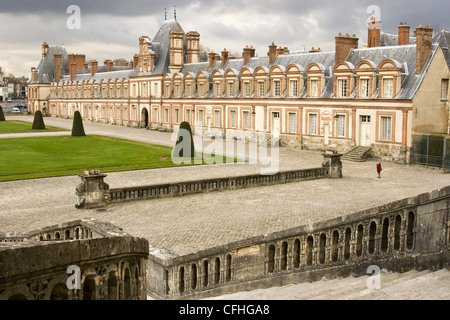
(135, 60)
(224, 58)
(86, 67)
(313, 50)
(374, 32)
(345, 44)
(193, 48)
(44, 49)
(57, 67)
(247, 54)
(272, 53)
(125, 63)
(109, 66)
(423, 46)
(280, 51)
(72, 70)
(403, 34)
(211, 58)
(94, 67)
(33, 74)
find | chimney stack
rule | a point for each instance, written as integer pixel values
(211, 58)
(109, 66)
(247, 54)
(423, 46)
(33, 74)
(280, 51)
(403, 34)
(345, 44)
(125, 63)
(44, 49)
(272, 53)
(94, 67)
(193, 48)
(72, 70)
(374, 32)
(176, 50)
(86, 67)
(135, 60)
(313, 50)
(224, 58)
(57, 67)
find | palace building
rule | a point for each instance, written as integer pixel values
(375, 97)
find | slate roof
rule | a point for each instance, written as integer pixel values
(45, 67)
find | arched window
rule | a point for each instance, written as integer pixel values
(296, 253)
(359, 240)
(194, 276)
(112, 286)
(284, 255)
(334, 246)
(59, 292)
(271, 260)
(217, 270)
(67, 235)
(385, 235)
(397, 228)
(127, 284)
(309, 250)
(228, 267)
(323, 241)
(205, 273)
(348, 236)
(89, 288)
(410, 231)
(372, 232)
(181, 280)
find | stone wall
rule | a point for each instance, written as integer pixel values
(112, 264)
(399, 236)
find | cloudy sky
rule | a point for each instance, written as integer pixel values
(110, 29)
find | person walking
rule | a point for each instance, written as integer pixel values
(379, 169)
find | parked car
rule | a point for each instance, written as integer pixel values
(15, 109)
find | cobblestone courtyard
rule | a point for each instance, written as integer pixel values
(190, 223)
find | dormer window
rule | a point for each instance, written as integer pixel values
(342, 88)
(188, 90)
(364, 88)
(217, 85)
(390, 78)
(261, 89)
(246, 89)
(167, 90)
(202, 90)
(276, 88)
(177, 90)
(314, 83)
(388, 88)
(293, 88)
(230, 89)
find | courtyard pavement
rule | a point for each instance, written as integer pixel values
(187, 224)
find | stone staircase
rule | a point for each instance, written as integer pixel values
(358, 154)
(411, 285)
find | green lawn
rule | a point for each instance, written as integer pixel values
(37, 157)
(16, 126)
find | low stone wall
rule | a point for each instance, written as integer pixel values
(111, 264)
(399, 236)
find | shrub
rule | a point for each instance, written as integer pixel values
(2, 116)
(186, 126)
(77, 126)
(38, 122)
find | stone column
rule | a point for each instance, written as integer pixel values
(332, 161)
(93, 192)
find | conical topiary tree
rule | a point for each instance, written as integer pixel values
(77, 126)
(182, 147)
(38, 122)
(2, 116)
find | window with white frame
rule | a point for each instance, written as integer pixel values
(293, 84)
(188, 90)
(233, 118)
(117, 114)
(364, 88)
(386, 128)
(217, 85)
(202, 90)
(246, 119)
(217, 118)
(144, 89)
(156, 89)
(276, 88)
(444, 90)
(261, 89)
(155, 114)
(187, 115)
(177, 90)
(313, 123)
(342, 88)
(166, 115)
(230, 89)
(388, 88)
(133, 113)
(167, 90)
(200, 117)
(177, 115)
(314, 90)
(246, 89)
(340, 123)
(125, 113)
(292, 122)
